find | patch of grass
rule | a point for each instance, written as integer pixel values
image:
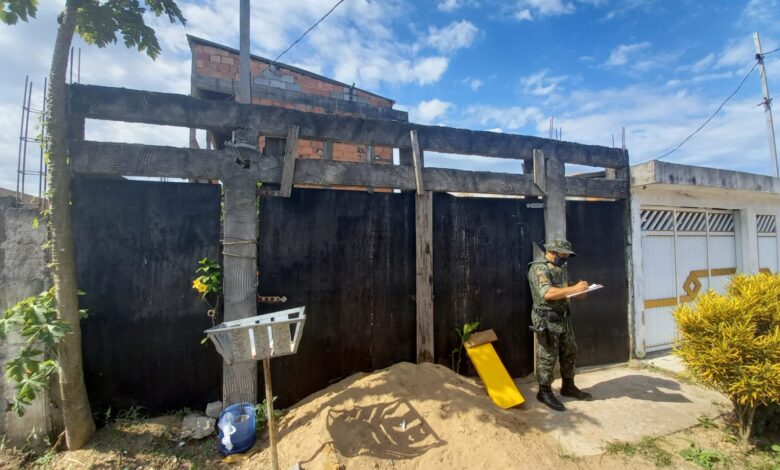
(563, 455)
(704, 458)
(180, 414)
(647, 447)
(133, 414)
(45, 460)
(707, 423)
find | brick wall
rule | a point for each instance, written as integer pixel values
(220, 63)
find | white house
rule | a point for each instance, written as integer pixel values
(692, 228)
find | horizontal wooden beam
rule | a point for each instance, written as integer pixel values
(329, 105)
(119, 104)
(119, 159)
(596, 187)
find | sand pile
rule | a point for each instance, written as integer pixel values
(407, 416)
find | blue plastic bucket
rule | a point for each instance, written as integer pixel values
(244, 420)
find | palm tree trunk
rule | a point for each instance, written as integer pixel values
(77, 416)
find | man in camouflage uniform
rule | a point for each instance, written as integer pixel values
(550, 287)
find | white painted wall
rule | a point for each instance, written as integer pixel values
(746, 204)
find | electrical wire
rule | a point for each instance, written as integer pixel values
(299, 38)
(734, 118)
(290, 46)
(739, 87)
(304, 34)
(770, 52)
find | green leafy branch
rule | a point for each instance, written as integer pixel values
(208, 282)
(463, 334)
(261, 413)
(35, 319)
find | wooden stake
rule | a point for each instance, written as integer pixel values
(290, 154)
(417, 159)
(424, 261)
(269, 398)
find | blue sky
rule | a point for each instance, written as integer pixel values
(657, 67)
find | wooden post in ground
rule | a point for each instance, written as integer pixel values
(424, 257)
(549, 177)
(269, 410)
(554, 214)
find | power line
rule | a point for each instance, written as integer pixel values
(734, 118)
(770, 52)
(290, 46)
(302, 36)
(712, 116)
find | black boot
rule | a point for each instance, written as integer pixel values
(570, 390)
(547, 397)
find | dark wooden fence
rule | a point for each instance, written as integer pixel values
(137, 246)
(349, 257)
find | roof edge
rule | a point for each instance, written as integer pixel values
(658, 172)
(205, 42)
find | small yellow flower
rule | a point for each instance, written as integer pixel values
(199, 286)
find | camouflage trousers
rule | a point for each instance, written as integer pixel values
(561, 345)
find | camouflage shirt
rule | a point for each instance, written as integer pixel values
(541, 276)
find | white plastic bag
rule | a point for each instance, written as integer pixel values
(226, 425)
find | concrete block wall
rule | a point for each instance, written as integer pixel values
(23, 273)
(219, 63)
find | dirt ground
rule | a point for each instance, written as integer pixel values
(404, 417)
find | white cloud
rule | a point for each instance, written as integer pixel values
(657, 120)
(513, 117)
(428, 111)
(540, 83)
(524, 14)
(762, 11)
(624, 52)
(530, 9)
(624, 7)
(474, 83)
(429, 70)
(705, 63)
(739, 53)
(456, 35)
(452, 5)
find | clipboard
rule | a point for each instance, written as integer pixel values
(591, 288)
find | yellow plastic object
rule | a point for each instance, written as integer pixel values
(500, 387)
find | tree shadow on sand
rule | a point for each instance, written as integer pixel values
(391, 430)
(350, 409)
(639, 387)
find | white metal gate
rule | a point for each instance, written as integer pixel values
(684, 252)
(766, 230)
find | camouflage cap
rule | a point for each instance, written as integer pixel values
(560, 245)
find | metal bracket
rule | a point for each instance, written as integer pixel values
(241, 139)
(271, 299)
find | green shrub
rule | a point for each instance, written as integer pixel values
(732, 343)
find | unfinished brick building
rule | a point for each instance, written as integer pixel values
(215, 75)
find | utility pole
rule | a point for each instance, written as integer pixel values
(767, 103)
(244, 85)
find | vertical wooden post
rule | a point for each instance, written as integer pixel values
(540, 170)
(239, 381)
(424, 295)
(290, 154)
(424, 257)
(549, 176)
(269, 398)
(555, 205)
